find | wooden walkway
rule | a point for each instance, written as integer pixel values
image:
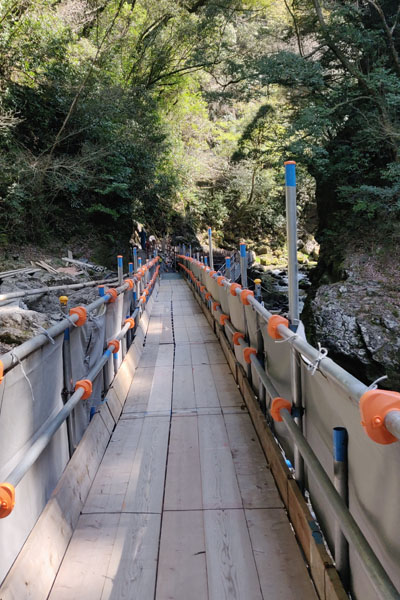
(183, 506)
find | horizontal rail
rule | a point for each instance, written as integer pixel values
(373, 567)
(10, 359)
(54, 288)
(380, 416)
(42, 440)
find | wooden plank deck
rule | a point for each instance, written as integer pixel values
(183, 505)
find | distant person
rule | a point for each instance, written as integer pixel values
(143, 236)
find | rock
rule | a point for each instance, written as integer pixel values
(18, 325)
(359, 323)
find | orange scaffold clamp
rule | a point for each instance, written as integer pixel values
(273, 324)
(220, 279)
(222, 319)
(202, 288)
(87, 387)
(277, 405)
(143, 299)
(7, 499)
(244, 296)
(113, 294)
(130, 284)
(1, 371)
(116, 345)
(131, 322)
(236, 337)
(82, 315)
(211, 273)
(215, 305)
(207, 296)
(234, 287)
(247, 352)
(374, 406)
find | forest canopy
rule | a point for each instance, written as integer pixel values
(179, 114)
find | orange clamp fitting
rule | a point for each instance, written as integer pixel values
(236, 337)
(131, 322)
(273, 324)
(112, 292)
(202, 288)
(1, 371)
(211, 273)
(247, 352)
(223, 318)
(138, 276)
(234, 287)
(374, 406)
(207, 296)
(215, 305)
(116, 345)
(244, 296)
(143, 299)
(7, 499)
(82, 315)
(145, 292)
(220, 279)
(130, 283)
(87, 387)
(277, 405)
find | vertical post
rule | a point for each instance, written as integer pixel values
(130, 267)
(190, 250)
(120, 269)
(257, 290)
(228, 267)
(291, 228)
(67, 371)
(206, 261)
(210, 248)
(198, 255)
(202, 259)
(135, 260)
(141, 282)
(294, 315)
(340, 471)
(243, 265)
(183, 249)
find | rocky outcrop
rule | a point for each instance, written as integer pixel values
(358, 318)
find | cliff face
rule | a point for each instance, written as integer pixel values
(354, 307)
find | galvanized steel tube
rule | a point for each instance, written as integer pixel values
(373, 568)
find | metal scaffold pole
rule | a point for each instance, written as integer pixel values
(294, 312)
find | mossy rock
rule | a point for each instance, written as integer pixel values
(302, 258)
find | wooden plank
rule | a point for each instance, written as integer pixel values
(199, 354)
(256, 484)
(113, 403)
(220, 488)
(146, 485)
(183, 389)
(183, 356)
(227, 389)
(46, 544)
(133, 564)
(276, 552)
(182, 572)
(161, 390)
(183, 490)
(231, 569)
(110, 556)
(204, 387)
(110, 485)
(139, 392)
(165, 356)
(215, 354)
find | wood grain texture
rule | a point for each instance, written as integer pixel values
(278, 558)
(256, 484)
(183, 489)
(232, 573)
(182, 572)
(183, 393)
(220, 487)
(110, 556)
